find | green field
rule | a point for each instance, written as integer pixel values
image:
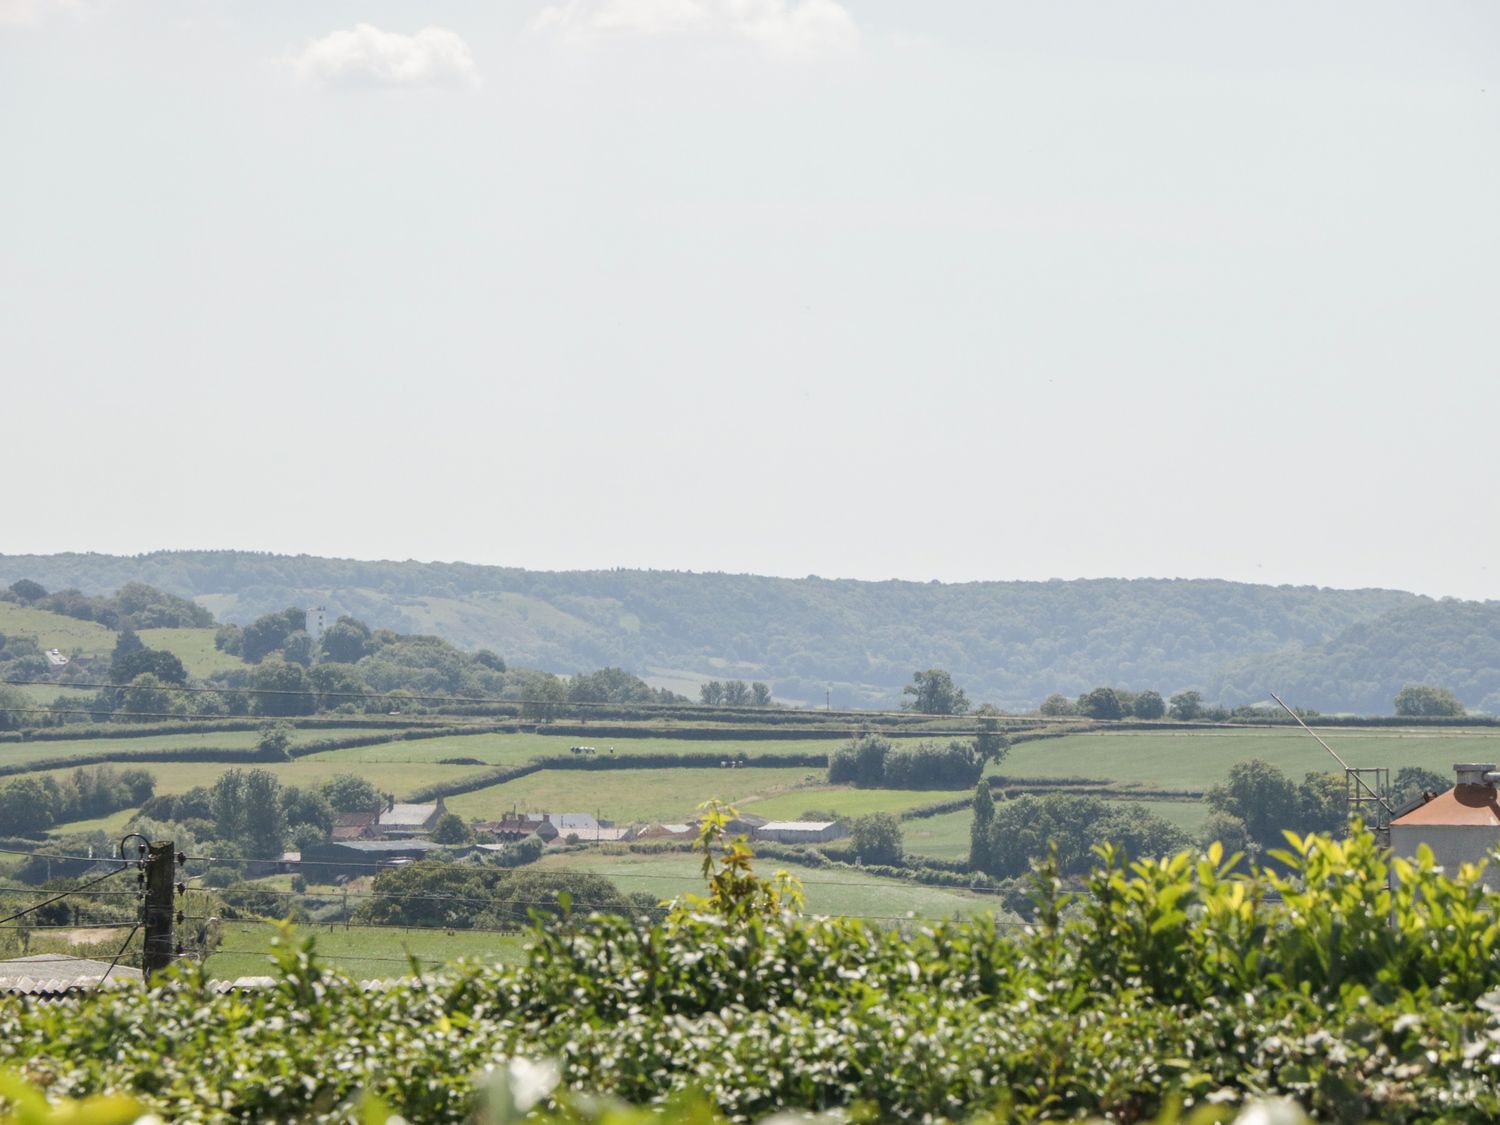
(513, 749)
(145, 745)
(945, 836)
(842, 800)
(828, 891)
(1197, 758)
(364, 952)
(627, 796)
(397, 778)
(194, 647)
(54, 630)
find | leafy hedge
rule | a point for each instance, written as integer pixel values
(1182, 979)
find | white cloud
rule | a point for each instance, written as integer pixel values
(367, 56)
(795, 27)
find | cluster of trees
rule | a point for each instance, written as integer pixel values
(249, 814)
(1362, 666)
(474, 895)
(1427, 702)
(30, 805)
(1258, 802)
(1005, 838)
(1113, 703)
(933, 692)
(615, 685)
(735, 693)
(872, 762)
(134, 605)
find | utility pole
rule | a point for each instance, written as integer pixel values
(157, 952)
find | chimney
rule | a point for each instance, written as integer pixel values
(1475, 774)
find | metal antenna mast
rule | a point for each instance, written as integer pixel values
(1358, 792)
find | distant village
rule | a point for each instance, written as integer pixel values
(401, 833)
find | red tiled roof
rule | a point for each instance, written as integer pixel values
(1461, 805)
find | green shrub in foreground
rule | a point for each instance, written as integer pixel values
(1183, 982)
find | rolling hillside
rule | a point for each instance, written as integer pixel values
(1010, 643)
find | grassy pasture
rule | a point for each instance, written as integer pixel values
(397, 778)
(365, 953)
(514, 749)
(945, 836)
(194, 647)
(1196, 758)
(846, 801)
(136, 748)
(828, 892)
(626, 796)
(54, 630)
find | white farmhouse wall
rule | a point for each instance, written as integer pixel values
(1452, 845)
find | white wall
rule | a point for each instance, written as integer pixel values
(1451, 844)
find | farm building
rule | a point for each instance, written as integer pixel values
(48, 973)
(1460, 825)
(667, 832)
(353, 858)
(410, 820)
(801, 831)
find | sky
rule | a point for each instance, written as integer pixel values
(957, 290)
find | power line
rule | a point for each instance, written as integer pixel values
(65, 894)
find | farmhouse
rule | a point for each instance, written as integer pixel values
(1460, 825)
(801, 831)
(400, 820)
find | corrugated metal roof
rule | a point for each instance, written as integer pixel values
(797, 825)
(1461, 805)
(407, 816)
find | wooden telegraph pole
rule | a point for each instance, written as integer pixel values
(160, 867)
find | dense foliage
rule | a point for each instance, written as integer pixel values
(1011, 643)
(30, 805)
(1183, 979)
(1007, 837)
(872, 762)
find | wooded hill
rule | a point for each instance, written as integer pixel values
(1010, 643)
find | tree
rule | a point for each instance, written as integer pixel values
(933, 693)
(348, 792)
(348, 641)
(148, 698)
(1148, 705)
(275, 740)
(877, 838)
(127, 644)
(1322, 805)
(711, 693)
(282, 689)
(1229, 832)
(991, 743)
(979, 828)
(760, 694)
(736, 693)
(1427, 702)
(265, 816)
(1186, 706)
(28, 591)
(860, 763)
(267, 634)
(1057, 704)
(226, 800)
(1101, 703)
(26, 807)
(159, 663)
(13, 707)
(451, 829)
(307, 808)
(139, 784)
(1412, 781)
(1261, 796)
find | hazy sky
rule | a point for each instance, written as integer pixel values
(955, 289)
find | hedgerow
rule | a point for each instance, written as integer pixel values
(1186, 981)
